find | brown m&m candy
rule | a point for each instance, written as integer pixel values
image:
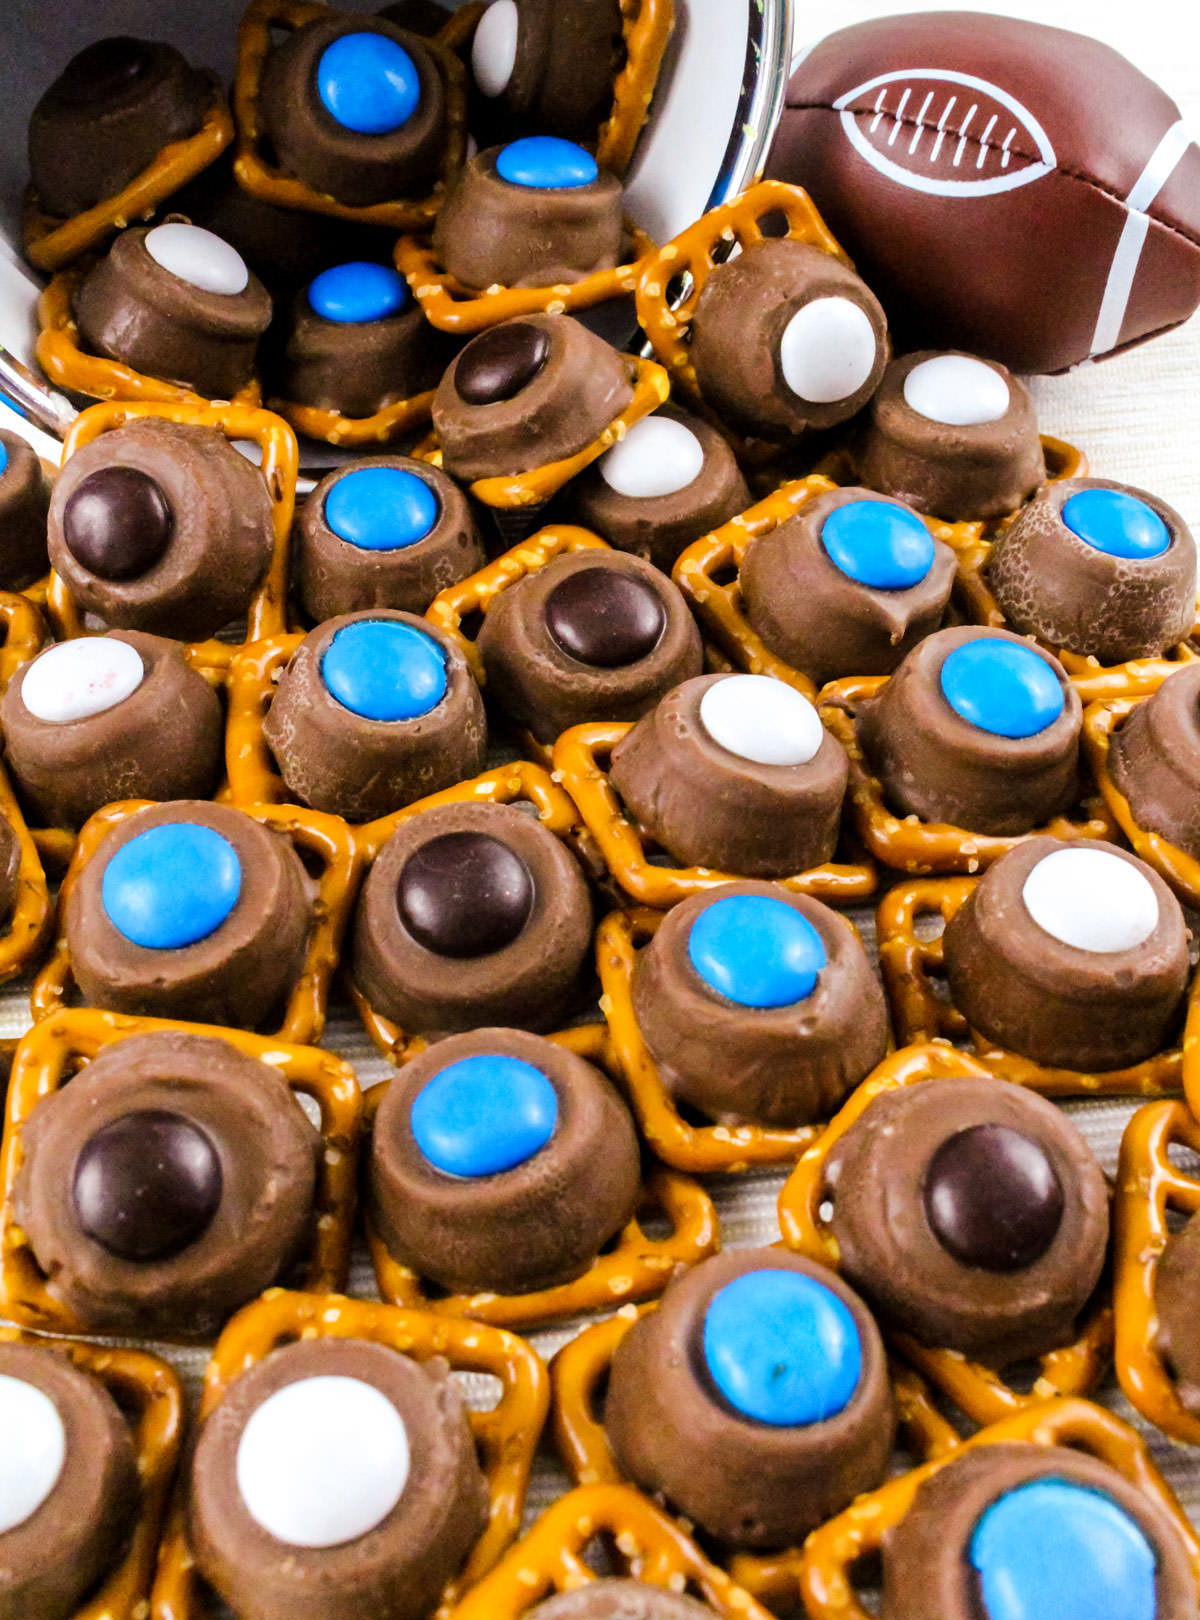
(997, 1218)
(24, 502)
(176, 302)
(755, 1398)
(526, 393)
(1073, 955)
(736, 773)
(1014, 1529)
(190, 910)
(546, 66)
(501, 1162)
(102, 718)
(785, 339)
(1097, 568)
(759, 1005)
(535, 213)
(356, 108)
(978, 728)
(69, 1493)
(847, 586)
(953, 435)
(375, 710)
(107, 116)
(386, 532)
(671, 479)
(161, 526)
(614, 1599)
(591, 636)
(1154, 758)
(169, 1183)
(271, 1536)
(472, 914)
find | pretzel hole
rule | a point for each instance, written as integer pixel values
(1184, 1158)
(482, 1391)
(472, 623)
(774, 223)
(678, 288)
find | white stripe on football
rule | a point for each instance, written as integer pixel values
(943, 132)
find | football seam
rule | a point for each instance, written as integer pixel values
(1192, 238)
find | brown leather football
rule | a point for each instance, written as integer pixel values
(1018, 191)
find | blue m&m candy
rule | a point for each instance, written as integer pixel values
(1116, 523)
(483, 1115)
(360, 291)
(3, 458)
(1055, 1548)
(368, 83)
(381, 508)
(171, 885)
(782, 1348)
(756, 951)
(546, 163)
(1002, 687)
(878, 544)
(384, 670)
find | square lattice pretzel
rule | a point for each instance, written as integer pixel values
(910, 964)
(978, 1391)
(1149, 1189)
(267, 613)
(506, 1436)
(323, 838)
(150, 1396)
(906, 842)
(271, 185)
(581, 757)
(635, 1267)
(831, 1552)
(53, 1050)
(50, 242)
(551, 1558)
(522, 782)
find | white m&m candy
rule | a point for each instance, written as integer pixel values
(494, 48)
(323, 1461)
(958, 390)
(828, 350)
(656, 457)
(198, 257)
(1092, 900)
(33, 1448)
(78, 679)
(761, 720)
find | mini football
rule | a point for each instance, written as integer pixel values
(1018, 191)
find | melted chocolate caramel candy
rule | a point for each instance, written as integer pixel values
(1074, 955)
(358, 343)
(998, 1216)
(10, 868)
(537, 213)
(755, 1398)
(24, 502)
(1097, 568)
(68, 1483)
(102, 718)
(174, 1239)
(1012, 1530)
(527, 410)
(952, 435)
(190, 910)
(735, 772)
(355, 107)
(106, 118)
(977, 728)
(848, 586)
(376, 709)
(176, 302)
(387, 532)
(272, 1537)
(614, 1599)
(1176, 1278)
(147, 1185)
(785, 339)
(671, 479)
(501, 1162)
(591, 636)
(547, 66)
(759, 1005)
(1155, 760)
(472, 914)
(156, 478)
